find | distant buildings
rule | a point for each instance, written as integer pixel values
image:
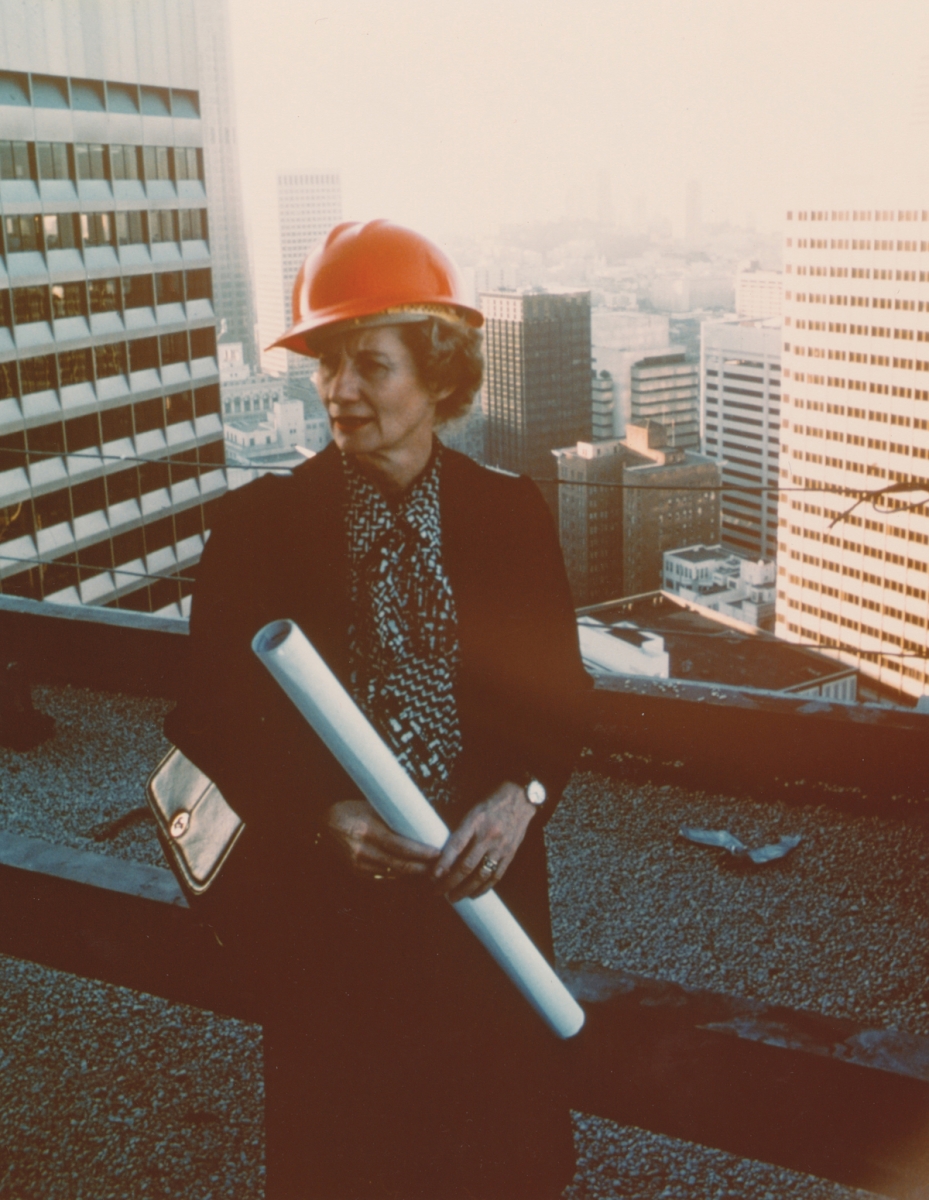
(737, 587)
(618, 339)
(308, 205)
(536, 394)
(623, 503)
(667, 637)
(665, 387)
(109, 389)
(740, 375)
(854, 575)
(759, 295)
(232, 283)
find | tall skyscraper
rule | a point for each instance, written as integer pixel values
(111, 448)
(309, 203)
(537, 384)
(853, 575)
(665, 387)
(740, 376)
(232, 281)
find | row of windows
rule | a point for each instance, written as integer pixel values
(48, 372)
(886, 214)
(72, 231)
(887, 610)
(97, 429)
(93, 160)
(894, 664)
(96, 95)
(859, 385)
(23, 306)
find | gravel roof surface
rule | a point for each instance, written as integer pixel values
(92, 771)
(133, 1096)
(106, 1093)
(840, 926)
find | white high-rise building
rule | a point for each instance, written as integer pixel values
(853, 573)
(309, 203)
(232, 283)
(740, 419)
(111, 443)
(758, 294)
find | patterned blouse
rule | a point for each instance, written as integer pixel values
(403, 637)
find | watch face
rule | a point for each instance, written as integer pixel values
(535, 792)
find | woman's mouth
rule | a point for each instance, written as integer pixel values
(349, 424)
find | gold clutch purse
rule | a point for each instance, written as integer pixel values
(196, 826)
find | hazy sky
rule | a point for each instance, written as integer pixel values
(455, 117)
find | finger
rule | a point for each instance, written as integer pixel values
(402, 849)
(471, 873)
(454, 848)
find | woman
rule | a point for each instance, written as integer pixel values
(399, 1061)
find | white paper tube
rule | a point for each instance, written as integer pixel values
(366, 758)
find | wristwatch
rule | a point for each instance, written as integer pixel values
(534, 789)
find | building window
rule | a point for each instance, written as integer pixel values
(30, 304)
(90, 160)
(60, 231)
(22, 234)
(174, 348)
(124, 162)
(131, 228)
(14, 160)
(8, 383)
(187, 162)
(104, 295)
(149, 414)
(87, 94)
(52, 160)
(163, 225)
(75, 366)
(169, 286)
(193, 224)
(6, 315)
(110, 360)
(38, 374)
(206, 399)
(97, 229)
(199, 285)
(179, 407)
(137, 291)
(203, 343)
(143, 354)
(157, 162)
(116, 423)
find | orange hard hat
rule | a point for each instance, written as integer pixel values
(373, 273)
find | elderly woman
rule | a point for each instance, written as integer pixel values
(399, 1061)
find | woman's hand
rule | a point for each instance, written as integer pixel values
(370, 847)
(493, 829)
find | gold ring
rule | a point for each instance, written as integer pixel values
(488, 865)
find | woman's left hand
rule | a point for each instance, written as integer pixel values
(493, 831)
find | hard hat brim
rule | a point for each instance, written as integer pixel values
(298, 338)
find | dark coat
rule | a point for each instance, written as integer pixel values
(385, 959)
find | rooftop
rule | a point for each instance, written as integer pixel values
(733, 971)
(710, 650)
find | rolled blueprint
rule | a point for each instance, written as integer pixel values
(366, 758)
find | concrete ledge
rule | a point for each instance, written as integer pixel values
(95, 870)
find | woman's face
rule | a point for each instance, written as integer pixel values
(377, 406)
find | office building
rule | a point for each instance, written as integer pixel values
(308, 204)
(110, 429)
(233, 298)
(740, 412)
(618, 340)
(759, 294)
(590, 518)
(537, 389)
(621, 504)
(665, 387)
(853, 574)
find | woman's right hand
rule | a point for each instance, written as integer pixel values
(373, 849)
